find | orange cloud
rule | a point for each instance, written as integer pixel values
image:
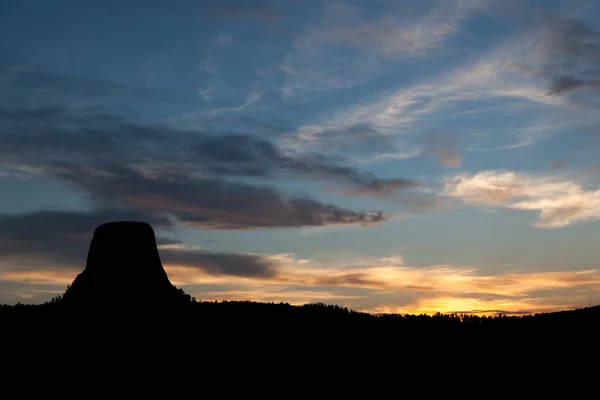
(39, 276)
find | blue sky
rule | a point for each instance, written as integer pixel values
(388, 156)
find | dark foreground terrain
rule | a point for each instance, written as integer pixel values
(219, 319)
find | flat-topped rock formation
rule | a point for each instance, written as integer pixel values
(123, 268)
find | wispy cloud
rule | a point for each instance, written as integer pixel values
(236, 10)
(258, 10)
(565, 53)
(251, 99)
(350, 48)
(558, 202)
(443, 147)
(521, 75)
(206, 93)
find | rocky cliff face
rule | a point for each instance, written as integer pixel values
(123, 268)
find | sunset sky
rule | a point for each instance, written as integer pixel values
(383, 155)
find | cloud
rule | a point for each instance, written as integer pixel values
(231, 9)
(210, 203)
(32, 87)
(527, 78)
(353, 140)
(351, 47)
(558, 202)
(206, 93)
(219, 264)
(443, 147)
(564, 84)
(247, 155)
(443, 288)
(85, 136)
(62, 237)
(224, 40)
(260, 10)
(216, 203)
(567, 52)
(557, 164)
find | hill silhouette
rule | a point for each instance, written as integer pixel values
(123, 268)
(124, 290)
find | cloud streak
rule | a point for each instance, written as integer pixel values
(567, 52)
(539, 79)
(185, 173)
(88, 135)
(558, 202)
(350, 48)
(443, 147)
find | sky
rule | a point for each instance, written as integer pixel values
(385, 156)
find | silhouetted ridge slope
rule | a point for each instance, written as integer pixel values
(123, 268)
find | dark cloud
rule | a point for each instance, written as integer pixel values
(571, 50)
(352, 279)
(105, 151)
(234, 264)
(114, 174)
(83, 135)
(174, 172)
(89, 134)
(208, 203)
(63, 236)
(564, 84)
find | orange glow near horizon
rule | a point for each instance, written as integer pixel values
(423, 290)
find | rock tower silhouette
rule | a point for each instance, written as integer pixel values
(123, 268)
